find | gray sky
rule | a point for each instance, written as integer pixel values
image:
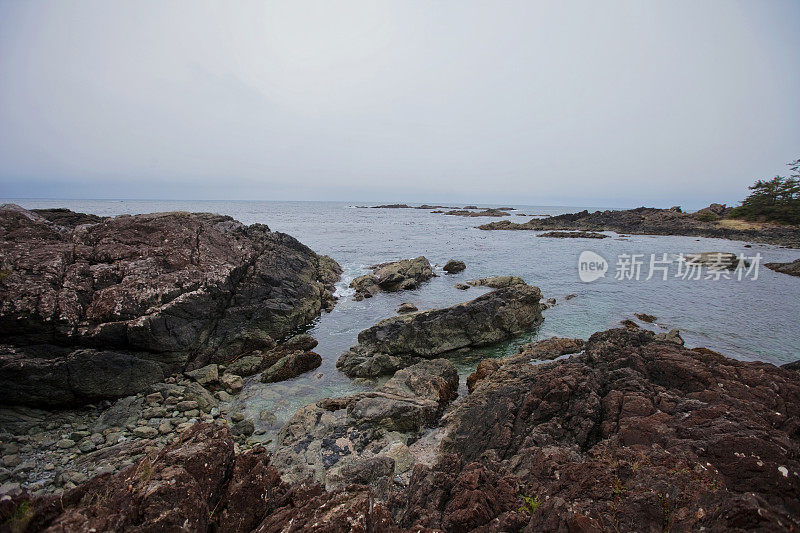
(557, 103)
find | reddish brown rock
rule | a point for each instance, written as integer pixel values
(638, 434)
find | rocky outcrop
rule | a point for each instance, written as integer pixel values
(542, 350)
(793, 268)
(723, 260)
(176, 289)
(634, 434)
(652, 221)
(401, 341)
(365, 438)
(394, 276)
(453, 266)
(573, 235)
(65, 217)
(497, 282)
(490, 212)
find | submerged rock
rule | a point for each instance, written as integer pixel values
(177, 289)
(401, 341)
(394, 276)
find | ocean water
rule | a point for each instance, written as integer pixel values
(748, 319)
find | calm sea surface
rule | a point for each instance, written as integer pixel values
(751, 319)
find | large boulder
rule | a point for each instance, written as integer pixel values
(393, 276)
(400, 341)
(178, 289)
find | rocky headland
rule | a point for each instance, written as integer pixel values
(652, 221)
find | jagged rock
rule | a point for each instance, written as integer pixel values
(403, 340)
(177, 289)
(258, 361)
(300, 342)
(394, 276)
(291, 365)
(453, 266)
(462, 286)
(547, 304)
(634, 432)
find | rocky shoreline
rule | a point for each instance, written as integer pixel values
(624, 432)
(652, 221)
(120, 376)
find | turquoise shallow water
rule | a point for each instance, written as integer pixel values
(749, 319)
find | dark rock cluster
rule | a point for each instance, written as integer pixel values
(93, 309)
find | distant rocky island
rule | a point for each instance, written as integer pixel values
(149, 323)
(708, 222)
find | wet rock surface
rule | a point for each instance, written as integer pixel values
(177, 290)
(401, 341)
(652, 221)
(405, 274)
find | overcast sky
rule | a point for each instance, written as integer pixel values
(545, 103)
